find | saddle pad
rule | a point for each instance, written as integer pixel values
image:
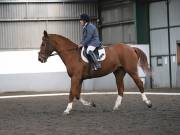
(102, 55)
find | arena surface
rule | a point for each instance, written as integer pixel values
(43, 115)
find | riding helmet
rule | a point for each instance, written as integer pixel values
(84, 17)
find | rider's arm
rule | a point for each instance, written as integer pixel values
(87, 35)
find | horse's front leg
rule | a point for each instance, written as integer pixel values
(74, 92)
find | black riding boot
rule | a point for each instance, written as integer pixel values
(93, 58)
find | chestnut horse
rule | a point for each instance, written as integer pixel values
(120, 59)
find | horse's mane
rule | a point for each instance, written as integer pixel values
(62, 37)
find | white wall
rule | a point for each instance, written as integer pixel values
(21, 71)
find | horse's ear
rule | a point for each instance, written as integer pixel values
(45, 33)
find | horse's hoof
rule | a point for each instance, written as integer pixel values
(115, 109)
(149, 104)
(66, 113)
(93, 104)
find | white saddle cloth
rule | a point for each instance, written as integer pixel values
(102, 55)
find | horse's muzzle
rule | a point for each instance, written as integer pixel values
(42, 58)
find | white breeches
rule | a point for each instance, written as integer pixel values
(90, 48)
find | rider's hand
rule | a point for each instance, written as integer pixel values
(80, 45)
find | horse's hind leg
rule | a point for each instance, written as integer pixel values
(119, 75)
(85, 102)
(139, 83)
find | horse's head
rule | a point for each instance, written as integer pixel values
(46, 48)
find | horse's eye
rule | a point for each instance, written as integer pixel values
(43, 44)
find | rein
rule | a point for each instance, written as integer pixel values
(72, 49)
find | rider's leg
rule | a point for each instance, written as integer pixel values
(93, 58)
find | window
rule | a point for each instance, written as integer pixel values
(178, 52)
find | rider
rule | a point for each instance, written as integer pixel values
(90, 39)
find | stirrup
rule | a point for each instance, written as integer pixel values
(93, 67)
(96, 66)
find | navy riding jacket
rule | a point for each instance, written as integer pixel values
(90, 36)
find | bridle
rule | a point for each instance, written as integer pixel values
(47, 45)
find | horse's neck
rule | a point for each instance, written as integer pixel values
(67, 51)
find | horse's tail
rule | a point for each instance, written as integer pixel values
(143, 62)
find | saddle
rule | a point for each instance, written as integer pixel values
(99, 52)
